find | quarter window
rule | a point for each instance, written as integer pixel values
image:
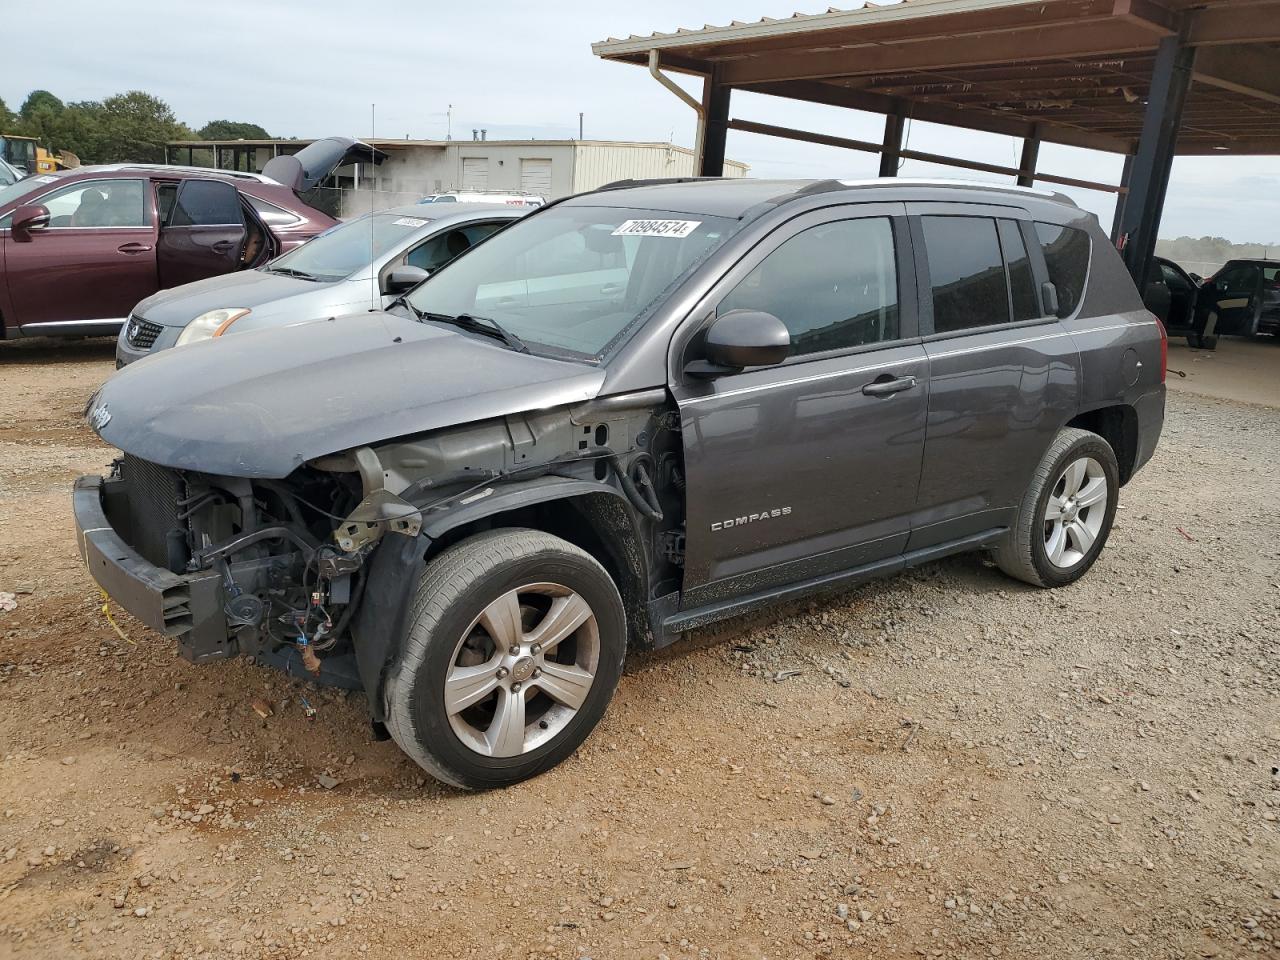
(98, 203)
(835, 286)
(1066, 255)
(970, 288)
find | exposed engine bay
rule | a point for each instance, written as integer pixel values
(289, 561)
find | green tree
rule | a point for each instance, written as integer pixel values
(38, 101)
(39, 116)
(7, 119)
(134, 127)
(232, 130)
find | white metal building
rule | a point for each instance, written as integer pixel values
(414, 168)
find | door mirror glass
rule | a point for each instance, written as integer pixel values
(28, 220)
(746, 338)
(1049, 297)
(403, 278)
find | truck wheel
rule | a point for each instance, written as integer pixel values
(1210, 342)
(1193, 340)
(1066, 514)
(515, 644)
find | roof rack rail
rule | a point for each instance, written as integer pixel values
(653, 182)
(823, 186)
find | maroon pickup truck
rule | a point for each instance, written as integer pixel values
(79, 248)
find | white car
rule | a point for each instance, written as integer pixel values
(486, 196)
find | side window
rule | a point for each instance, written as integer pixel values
(206, 203)
(1066, 254)
(443, 247)
(271, 215)
(967, 273)
(834, 286)
(1022, 284)
(98, 203)
(1239, 280)
(1172, 278)
(166, 193)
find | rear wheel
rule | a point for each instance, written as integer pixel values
(1066, 514)
(515, 645)
(1209, 342)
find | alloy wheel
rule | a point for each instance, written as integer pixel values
(1075, 513)
(522, 670)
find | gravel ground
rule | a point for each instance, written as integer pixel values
(948, 764)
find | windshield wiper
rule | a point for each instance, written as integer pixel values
(290, 272)
(483, 325)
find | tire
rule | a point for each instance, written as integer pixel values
(478, 611)
(1027, 551)
(1210, 342)
(1193, 340)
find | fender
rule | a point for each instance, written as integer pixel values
(397, 564)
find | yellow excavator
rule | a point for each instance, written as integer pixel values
(25, 153)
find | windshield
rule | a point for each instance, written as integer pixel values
(573, 278)
(342, 250)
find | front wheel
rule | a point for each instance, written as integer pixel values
(1066, 514)
(515, 645)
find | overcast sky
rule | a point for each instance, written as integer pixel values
(517, 69)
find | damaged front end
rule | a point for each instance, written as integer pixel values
(279, 569)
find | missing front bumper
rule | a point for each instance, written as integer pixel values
(187, 607)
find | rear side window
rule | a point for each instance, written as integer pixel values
(1066, 254)
(966, 272)
(835, 286)
(203, 203)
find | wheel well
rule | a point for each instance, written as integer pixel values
(601, 525)
(1118, 425)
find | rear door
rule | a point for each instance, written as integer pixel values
(1003, 376)
(799, 470)
(94, 261)
(204, 233)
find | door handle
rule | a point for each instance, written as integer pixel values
(222, 246)
(134, 247)
(888, 385)
(609, 289)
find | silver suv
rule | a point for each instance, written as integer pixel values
(631, 413)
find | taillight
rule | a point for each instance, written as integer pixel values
(1164, 348)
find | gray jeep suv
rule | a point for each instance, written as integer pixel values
(631, 413)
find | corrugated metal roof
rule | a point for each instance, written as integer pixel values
(1069, 71)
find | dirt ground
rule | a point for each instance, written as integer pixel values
(962, 766)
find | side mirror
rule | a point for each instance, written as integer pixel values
(403, 278)
(740, 339)
(1049, 297)
(28, 220)
(1196, 278)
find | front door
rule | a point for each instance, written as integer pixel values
(809, 467)
(94, 261)
(203, 234)
(1228, 301)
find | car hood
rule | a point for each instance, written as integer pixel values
(178, 306)
(262, 404)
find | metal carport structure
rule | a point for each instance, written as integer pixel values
(1145, 79)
